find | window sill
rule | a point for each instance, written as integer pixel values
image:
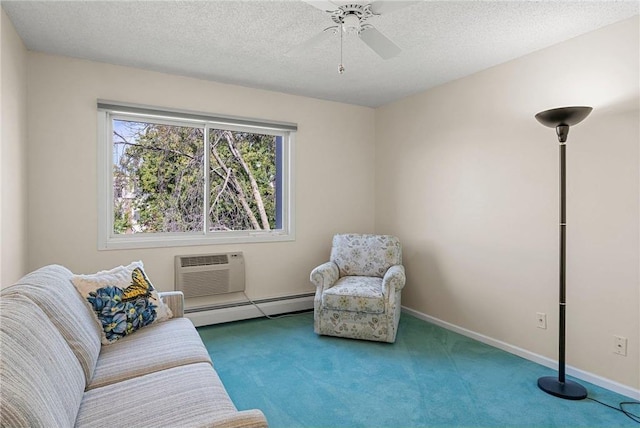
(123, 242)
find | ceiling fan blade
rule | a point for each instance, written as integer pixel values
(380, 7)
(379, 43)
(313, 41)
(325, 5)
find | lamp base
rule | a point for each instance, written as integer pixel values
(568, 390)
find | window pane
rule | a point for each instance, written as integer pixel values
(158, 179)
(243, 176)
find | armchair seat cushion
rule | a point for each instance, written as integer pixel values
(355, 294)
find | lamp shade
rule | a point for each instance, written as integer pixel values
(567, 116)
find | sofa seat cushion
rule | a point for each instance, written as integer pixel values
(356, 294)
(41, 379)
(184, 396)
(51, 289)
(157, 347)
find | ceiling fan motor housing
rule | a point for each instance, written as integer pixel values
(352, 17)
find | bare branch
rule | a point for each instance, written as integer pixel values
(238, 188)
(222, 189)
(252, 181)
(154, 148)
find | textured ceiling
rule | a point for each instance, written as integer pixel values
(245, 42)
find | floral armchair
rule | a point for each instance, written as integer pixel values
(358, 290)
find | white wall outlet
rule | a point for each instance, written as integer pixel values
(620, 345)
(541, 318)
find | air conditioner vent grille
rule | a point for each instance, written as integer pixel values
(205, 283)
(204, 275)
(208, 260)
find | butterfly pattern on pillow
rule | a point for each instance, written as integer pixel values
(140, 286)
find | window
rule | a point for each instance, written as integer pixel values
(170, 178)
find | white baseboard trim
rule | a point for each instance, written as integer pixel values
(246, 310)
(531, 356)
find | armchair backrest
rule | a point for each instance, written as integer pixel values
(365, 255)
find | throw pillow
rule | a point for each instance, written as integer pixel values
(122, 299)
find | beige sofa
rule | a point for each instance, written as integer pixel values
(54, 372)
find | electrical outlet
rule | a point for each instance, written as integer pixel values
(620, 345)
(541, 318)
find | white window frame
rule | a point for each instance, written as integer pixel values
(108, 240)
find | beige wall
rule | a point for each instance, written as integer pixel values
(334, 169)
(13, 167)
(469, 181)
(463, 174)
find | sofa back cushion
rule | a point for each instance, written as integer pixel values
(365, 255)
(42, 381)
(51, 289)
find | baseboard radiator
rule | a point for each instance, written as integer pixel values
(216, 314)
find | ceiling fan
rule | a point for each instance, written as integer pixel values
(351, 18)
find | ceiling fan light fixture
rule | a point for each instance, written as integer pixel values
(351, 24)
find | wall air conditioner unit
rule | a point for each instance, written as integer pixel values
(209, 274)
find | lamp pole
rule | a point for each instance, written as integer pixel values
(562, 119)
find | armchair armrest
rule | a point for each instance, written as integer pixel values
(325, 275)
(394, 277)
(175, 301)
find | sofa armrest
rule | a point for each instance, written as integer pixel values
(325, 275)
(175, 301)
(394, 277)
(253, 418)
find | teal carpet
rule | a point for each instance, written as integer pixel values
(430, 377)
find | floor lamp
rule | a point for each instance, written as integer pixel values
(562, 119)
